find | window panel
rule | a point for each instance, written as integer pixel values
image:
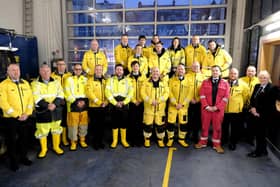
(108, 30)
(136, 30)
(80, 18)
(80, 31)
(75, 56)
(139, 4)
(172, 3)
(139, 16)
(109, 4)
(109, 17)
(167, 42)
(172, 30)
(208, 2)
(204, 41)
(79, 44)
(173, 15)
(208, 29)
(208, 14)
(79, 4)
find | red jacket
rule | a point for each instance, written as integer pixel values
(222, 94)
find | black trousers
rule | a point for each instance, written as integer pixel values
(97, 124)
(16, 133)
(231, 128)
(260, 129)
(135, 127)
(194, 121)
(119, 116)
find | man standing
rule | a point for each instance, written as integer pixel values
(122, 53)
(179, 99)
(16, 101)
(195, 52)
(239, 93)
(77, 116)
(95, 91)
(216, 56)
(214, 94)
(155, 93)
(61, 75)
(119, 93)
(94, 57)
(49, 99)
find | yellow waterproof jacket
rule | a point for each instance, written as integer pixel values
(143, 61)
(149, 93)
(95, 91)
(194, 55)
(221, 58)
(137, 86)
(179, 92)
(239, 95)
(75, 88)
(118, 88)
(91, 59)
(251, 82)
(194, 81)
(146, 51)
(177, 56)
(122, 54)
(61, 78)
(162, 62)
(16, 99)
(44, 94)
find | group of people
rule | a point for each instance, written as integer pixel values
(154, 92)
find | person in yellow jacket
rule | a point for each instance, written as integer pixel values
(136, 108)
(154, 93)
(195, 52)
(142, 42)
(93, 57)
(138, 56)
(160, 58)
(179, 98)
(61, 75)
(49, 100)
(77, 103)
(216, 56)
(119, 92)
(239, 93)
(177, 55)
(194, 79)
(16, 101)
(251, 80)
(95, 92)
(122, 52)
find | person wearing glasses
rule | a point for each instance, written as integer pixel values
(77, 105)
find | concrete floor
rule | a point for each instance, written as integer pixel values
(144, 167)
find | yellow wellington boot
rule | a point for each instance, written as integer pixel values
(147, 142)
(115, 138)
(44, 148)
(183, 143)
(64, 137)
(56, 142)
(73, 146)
(123, 138)
(83, 143)
(170, 142)
(161, 143)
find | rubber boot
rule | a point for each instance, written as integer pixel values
(115, 138)
(64, 137)
(44, 148)
(170, 142)
(123, 138)
(56, 142)
(73, 146)
(147, 142)
(161, 143)
(83, 143)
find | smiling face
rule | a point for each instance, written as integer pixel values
(13, 71)
(216, 72)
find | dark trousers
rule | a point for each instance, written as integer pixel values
(194, 121)
(16, 133)
(231, 128)
(135, 127)
(260, 129)
(119, 116)
(97, 124)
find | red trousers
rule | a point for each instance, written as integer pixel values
(216, 119)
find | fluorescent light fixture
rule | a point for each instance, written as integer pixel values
(272, 26)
